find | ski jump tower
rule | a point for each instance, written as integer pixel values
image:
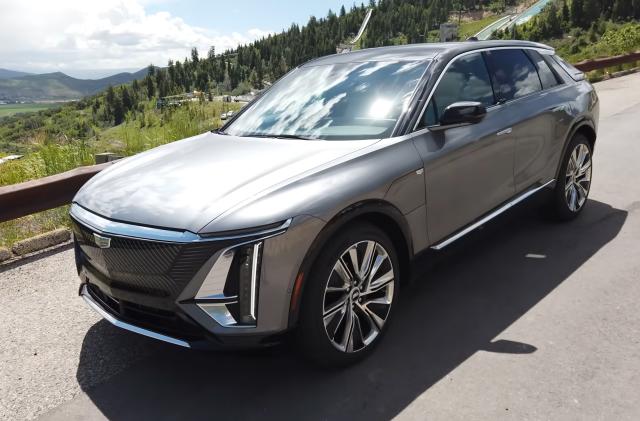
(345, 48)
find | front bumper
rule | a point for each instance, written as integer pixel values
(134, 287)
(95, 306)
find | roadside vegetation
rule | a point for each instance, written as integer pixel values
(11, 109)
(585, 29)
(145, 129)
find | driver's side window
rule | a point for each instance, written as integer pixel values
(467, 79)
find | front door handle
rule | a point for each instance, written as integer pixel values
(505, 131)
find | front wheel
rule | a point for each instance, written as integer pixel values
(349, 297)
(574, 183)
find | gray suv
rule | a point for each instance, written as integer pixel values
(302, 214)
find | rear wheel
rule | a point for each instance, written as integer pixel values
(349, 297)
(574, 183)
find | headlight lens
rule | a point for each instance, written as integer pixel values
(229, 293)
(248, 277)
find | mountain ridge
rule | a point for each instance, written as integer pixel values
(10, 74)
(58, 85)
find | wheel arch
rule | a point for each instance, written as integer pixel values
(583, 126)
(379, 213)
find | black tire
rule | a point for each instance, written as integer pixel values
(313, 337)
(559, 202)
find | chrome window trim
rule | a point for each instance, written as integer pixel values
(411, 102)
(140, 232)
(479, 50)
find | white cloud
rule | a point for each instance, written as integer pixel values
(76, 35)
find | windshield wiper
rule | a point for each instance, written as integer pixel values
(281, 136)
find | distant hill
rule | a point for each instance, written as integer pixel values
(9, 74)
(59, 86)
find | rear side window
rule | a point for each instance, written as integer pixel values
(513, 74)
(467, 79)
(560, 71)
(547, 77)
(573, 72)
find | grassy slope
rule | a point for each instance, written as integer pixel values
(468, 29)
(11, 109)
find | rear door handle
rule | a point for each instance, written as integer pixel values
(508, 130)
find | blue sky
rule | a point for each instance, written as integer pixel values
(95, 38)
(242, 15)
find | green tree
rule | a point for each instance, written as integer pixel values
(591, 11)
(151, 90)
(622, 10)
(565, 16)
(577, 13)
(118, 111)
(127, 100)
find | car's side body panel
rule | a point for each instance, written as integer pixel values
(468, 171)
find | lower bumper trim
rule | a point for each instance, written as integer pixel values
(127, 326)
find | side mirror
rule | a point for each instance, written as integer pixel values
(461, 113)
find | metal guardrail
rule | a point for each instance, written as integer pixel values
(18, 200)
(602, 63)
(34, 196)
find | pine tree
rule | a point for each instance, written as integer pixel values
(591, 11)
(118, 111)
(576, 13)
(565, 13)
(553, 23)
(151, 91)
(127, 101)
(622, 10)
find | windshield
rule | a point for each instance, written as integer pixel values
(344, 101)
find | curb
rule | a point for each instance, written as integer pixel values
(30, 246)
(609, 76)
(5, 254)
(30, 257)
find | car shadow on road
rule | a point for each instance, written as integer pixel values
(459, 302)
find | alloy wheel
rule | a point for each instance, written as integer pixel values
(358, 296)
(578, 177)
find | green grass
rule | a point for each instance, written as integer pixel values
(29, 226)
(468, 29)
(11, 109)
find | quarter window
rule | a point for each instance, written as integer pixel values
(513, 74)
(547, 77)
(467, 79)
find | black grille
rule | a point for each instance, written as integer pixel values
(162, 321)
(150, 268)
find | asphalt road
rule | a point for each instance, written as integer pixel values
(525, 319)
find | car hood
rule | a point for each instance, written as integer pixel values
(187, 184)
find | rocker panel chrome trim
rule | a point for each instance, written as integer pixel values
(490, 216)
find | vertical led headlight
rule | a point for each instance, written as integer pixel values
(248, 279)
